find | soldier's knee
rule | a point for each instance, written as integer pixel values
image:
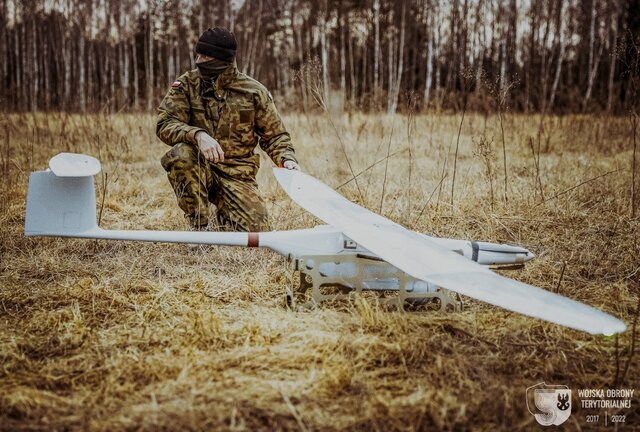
(183, 154)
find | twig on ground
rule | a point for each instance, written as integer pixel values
(504, 156)
(294, 412)
(632, 349)
(536, 162)
(369, 167)
(428, 200)
(386, 165)
(455, 159)
(105, 181)
(564, 266)
(577, 186)
(346, 157)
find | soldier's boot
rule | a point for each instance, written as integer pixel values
(191, 179)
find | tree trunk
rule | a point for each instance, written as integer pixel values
(529, 64)
(352, 73)
(136, 88)
(124, 70)
(324, 58)
(19, 89)
(34, 67)
(343, 57)
(503, 65)
(544, 70)
(512, 41)
(452, 49)
(391, 64)
(150, 63)
(592, 36)
(66, 55)
(300, 53)
(171, 61)
(437, 53)
(376, 48)
(430, 31)
(46, 75)
(481, 38)
(400, 66)
(561, 50)
(592, 77)
(81, 71)
(3, 48)
(614, 57)
(594, 59)
(256, 40)
(112, 76)
(462, 45)
(178, 68)
(365, 74)
(232, 15)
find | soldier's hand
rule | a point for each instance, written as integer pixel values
(289, 164)
(209, 147)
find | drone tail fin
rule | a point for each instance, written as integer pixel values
(61, 202)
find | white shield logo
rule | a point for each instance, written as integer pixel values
(549, 404)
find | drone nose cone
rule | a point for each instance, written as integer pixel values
(529, 256)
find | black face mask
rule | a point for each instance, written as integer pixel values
(211, 69)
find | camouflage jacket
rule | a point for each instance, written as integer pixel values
(236, 110)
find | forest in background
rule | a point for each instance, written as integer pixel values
(372, 55)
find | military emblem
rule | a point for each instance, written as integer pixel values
(549, 404)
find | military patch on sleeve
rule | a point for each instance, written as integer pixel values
(177, 86)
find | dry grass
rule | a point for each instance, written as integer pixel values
(105, 336)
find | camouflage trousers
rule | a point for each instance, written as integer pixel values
(198, 182)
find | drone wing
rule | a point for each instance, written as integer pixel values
(425, 260)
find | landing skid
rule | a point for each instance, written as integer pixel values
(328, 278)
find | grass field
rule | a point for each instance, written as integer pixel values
(110, 335)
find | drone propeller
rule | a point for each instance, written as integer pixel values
(423, 259)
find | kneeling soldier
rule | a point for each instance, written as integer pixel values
(213, 117)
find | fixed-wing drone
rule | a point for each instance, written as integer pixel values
(359, 250)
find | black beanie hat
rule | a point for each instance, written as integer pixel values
(218, 43)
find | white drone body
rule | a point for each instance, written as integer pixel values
(358, 250)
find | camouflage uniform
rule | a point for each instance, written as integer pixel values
(239, 113)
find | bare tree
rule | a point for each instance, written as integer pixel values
(324, 55)
(394, 89)
(594, 59)
(430, 30)
(559, 45)
(376, 47)
(612, 41)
